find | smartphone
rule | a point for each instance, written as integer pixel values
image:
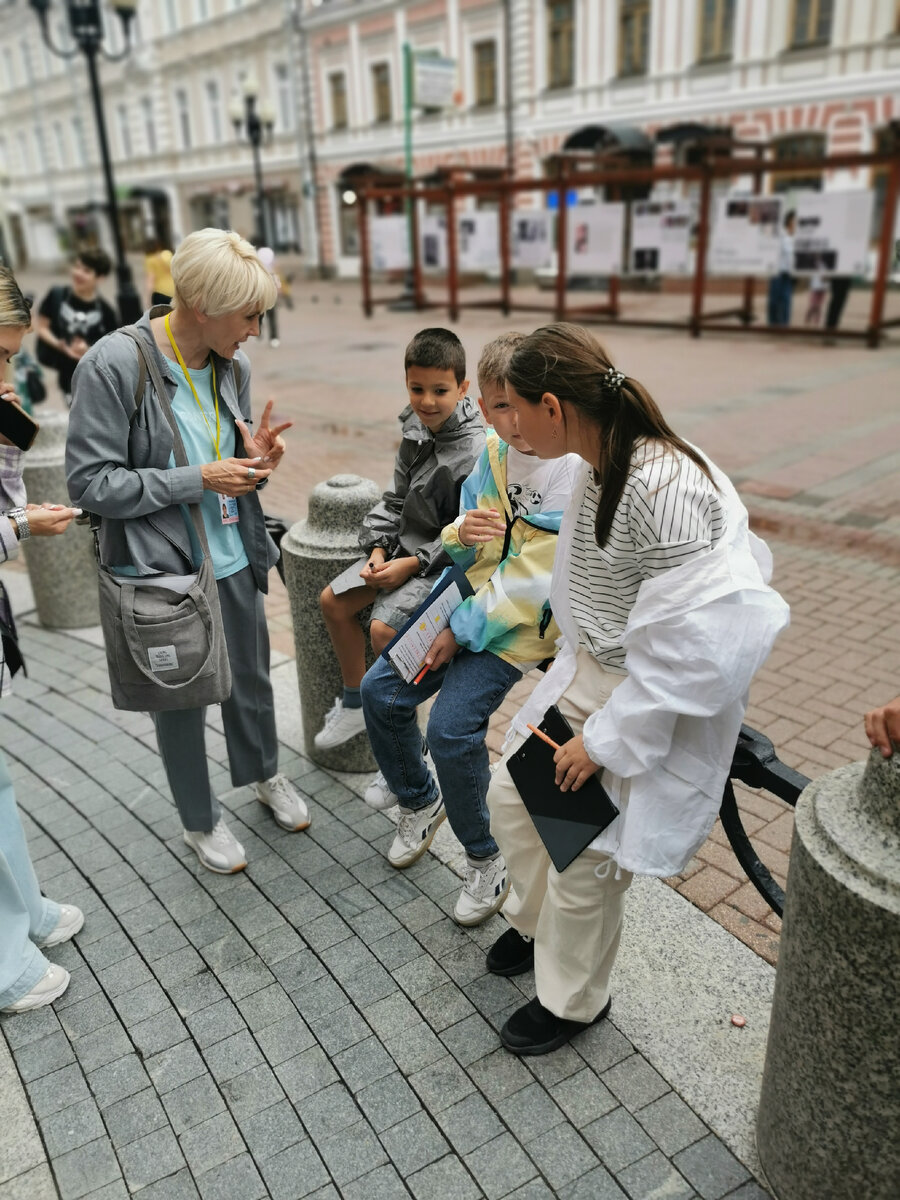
(16, 425)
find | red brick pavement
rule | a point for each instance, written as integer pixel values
(810, 435)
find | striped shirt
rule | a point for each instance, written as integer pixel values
(669, 512)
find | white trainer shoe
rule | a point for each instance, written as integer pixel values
(70, 921)
(219, 850)
(483, 893)
(379, 795)
(287, 805)
(414, 834)
(48, 988)
(341, 724)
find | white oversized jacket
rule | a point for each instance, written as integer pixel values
(695, 636)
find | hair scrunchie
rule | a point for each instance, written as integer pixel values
(611, 381)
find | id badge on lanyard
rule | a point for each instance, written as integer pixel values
(229, 509)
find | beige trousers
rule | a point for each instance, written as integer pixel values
(574, 916)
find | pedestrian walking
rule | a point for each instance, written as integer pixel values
(29, 922)
(839, 286)
(781, 285)
(661, 595)
(73, 317)
(158, 272)
(118, 464)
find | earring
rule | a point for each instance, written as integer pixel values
(555, 432)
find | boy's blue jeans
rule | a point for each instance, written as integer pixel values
(470, 687)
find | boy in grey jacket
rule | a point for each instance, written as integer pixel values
(442, 436)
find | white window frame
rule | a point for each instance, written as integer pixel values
(182, 101)
(123, 126)
(215, 126)
(148, 114)
(285, 100)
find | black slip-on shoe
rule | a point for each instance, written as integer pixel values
(511, 954)
(533, 1029)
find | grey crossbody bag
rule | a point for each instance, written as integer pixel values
(165, 646)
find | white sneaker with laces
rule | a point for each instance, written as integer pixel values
(219, 850)
(48, 988)
(414, 834)
(287, 805)
(70, 921)
(341, 724)
(379, 795)
(483, 893)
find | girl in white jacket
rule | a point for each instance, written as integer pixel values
(661, 595)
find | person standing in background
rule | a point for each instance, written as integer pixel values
(266, 256)
(781, 285)
(158, 266)
(72, 317)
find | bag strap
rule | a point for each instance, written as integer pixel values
(162, 395)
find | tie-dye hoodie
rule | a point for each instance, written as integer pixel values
(509, 615)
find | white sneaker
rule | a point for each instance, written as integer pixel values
(341, 724)
(275, 343)
(48, 988)
(70, 921)
(414, 834)
(379, 795)
(219, 850)
(483, 893)
(287, 805)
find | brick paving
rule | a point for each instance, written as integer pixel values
(315, 1026)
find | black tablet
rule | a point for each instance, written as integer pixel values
(567, 822)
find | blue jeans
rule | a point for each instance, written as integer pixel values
(26, 916)
(781, 293)
(470, 687)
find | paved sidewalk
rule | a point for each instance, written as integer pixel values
(317, 1025)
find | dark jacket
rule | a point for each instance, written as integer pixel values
(428, 474)
(120, 471)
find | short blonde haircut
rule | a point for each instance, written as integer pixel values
(494, 361)
(217, 272)
(15, 310)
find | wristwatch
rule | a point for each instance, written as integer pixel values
(20, 517)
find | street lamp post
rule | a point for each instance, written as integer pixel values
(86, 27)
(258, 121)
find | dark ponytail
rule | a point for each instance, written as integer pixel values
(568, 362)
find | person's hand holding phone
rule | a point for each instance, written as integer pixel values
(17, 428)
(48, 520)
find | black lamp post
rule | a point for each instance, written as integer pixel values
(86, 26)
(258, 122)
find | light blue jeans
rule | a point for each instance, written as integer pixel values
(470, 688)
(26, 916)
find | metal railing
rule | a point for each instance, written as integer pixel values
(756, 764)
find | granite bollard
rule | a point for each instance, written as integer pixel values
(63, 570)
(315, 550)
(829, 1110)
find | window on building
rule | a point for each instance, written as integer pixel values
(716, 29)
(634, 37)
(59, 143)
(40, 145)
(24, 154)
(4, 154)
(284, 97)
(170, 15)
(124, 125)
(811, 22)
(213, 111)
(381, 92)
(183, 117)
(9, 69)
(337, 90)
(149, 120)
(485, 73)
(794, 148)
(560, 43)
(25, 59)
(201, 10)
(79, 142)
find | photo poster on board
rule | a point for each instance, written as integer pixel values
(661, 237)
(531, 243)
(478, 241)
(745, 236)
(831, 236)
(433, 242)
(389, 241)
(594, 235)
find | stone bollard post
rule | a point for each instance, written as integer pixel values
(830, 1105)
(315, 551)
(63, 569)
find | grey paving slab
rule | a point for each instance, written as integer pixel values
(500, 1165)
(414, 1143)
(654, 1176)
(671, 1123)
(354, 1152)
(711, 1168)
(470, 1123)
(617, 1139)
(294, 1172)
(442, 1179)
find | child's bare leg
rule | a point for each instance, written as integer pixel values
(380, 634)
(347, 635)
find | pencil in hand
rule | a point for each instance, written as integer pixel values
(540, 733)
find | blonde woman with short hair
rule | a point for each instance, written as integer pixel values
(29, 922)
(119, 466)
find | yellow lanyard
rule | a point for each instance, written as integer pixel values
(215, 440)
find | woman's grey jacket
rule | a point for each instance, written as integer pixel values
(117, 462)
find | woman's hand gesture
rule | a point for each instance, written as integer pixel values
(574, 766)
(267, 443)
(481, 525)
(233, 476)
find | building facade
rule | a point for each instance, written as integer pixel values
(808, 76)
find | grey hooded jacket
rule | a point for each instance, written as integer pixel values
(118, 468)
(428, 475)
